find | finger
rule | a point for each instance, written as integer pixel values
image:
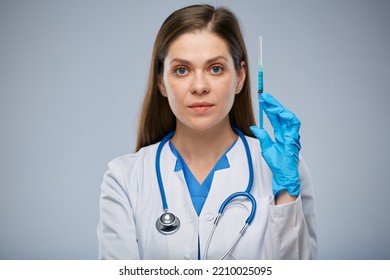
(270, 100)
(272, 109)
(290, 133)
(273, 116)
(282, 120)
(279, 116)
(290, 125)
(263, 136)
(289, 118)
(292, 142)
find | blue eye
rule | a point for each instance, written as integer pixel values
(216, 69)
(180, 71)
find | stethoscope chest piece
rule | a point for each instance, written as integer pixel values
(167, 223)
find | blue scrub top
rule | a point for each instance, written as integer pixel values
(198, 192)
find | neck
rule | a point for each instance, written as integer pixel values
(203, 146)
(201, 150)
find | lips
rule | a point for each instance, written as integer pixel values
(200, 104)
(200, 107)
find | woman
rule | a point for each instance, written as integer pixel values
(199, 95)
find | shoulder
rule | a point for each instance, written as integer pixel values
(133, 162)
(254, 144)
(252, 141)
(239, 151)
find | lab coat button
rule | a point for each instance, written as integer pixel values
(187, 257)
(209, 217)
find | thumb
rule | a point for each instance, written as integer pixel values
(263, 136)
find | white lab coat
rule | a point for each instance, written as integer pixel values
(130, 204)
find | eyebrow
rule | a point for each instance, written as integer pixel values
(186, 62)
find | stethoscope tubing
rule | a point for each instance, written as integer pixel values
(158, 170)
(249, 159)
(238, 194)
(223, 206)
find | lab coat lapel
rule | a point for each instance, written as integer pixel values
(176, 191)
(229, 180)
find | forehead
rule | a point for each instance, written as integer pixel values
(197, 46)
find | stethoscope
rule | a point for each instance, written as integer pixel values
(168, 223)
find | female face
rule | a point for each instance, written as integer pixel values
(200, 80)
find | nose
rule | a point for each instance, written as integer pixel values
(199, 84)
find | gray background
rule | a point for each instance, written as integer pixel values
(73, 73)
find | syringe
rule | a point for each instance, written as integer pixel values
(260, 81)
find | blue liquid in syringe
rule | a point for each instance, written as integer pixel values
(259, 92)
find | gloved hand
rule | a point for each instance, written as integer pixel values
(282, 156)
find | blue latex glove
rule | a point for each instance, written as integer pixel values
(282, 156)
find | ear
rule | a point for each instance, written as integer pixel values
(241, 77)
(161, 86)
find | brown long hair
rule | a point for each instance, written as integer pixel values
(156, 119)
